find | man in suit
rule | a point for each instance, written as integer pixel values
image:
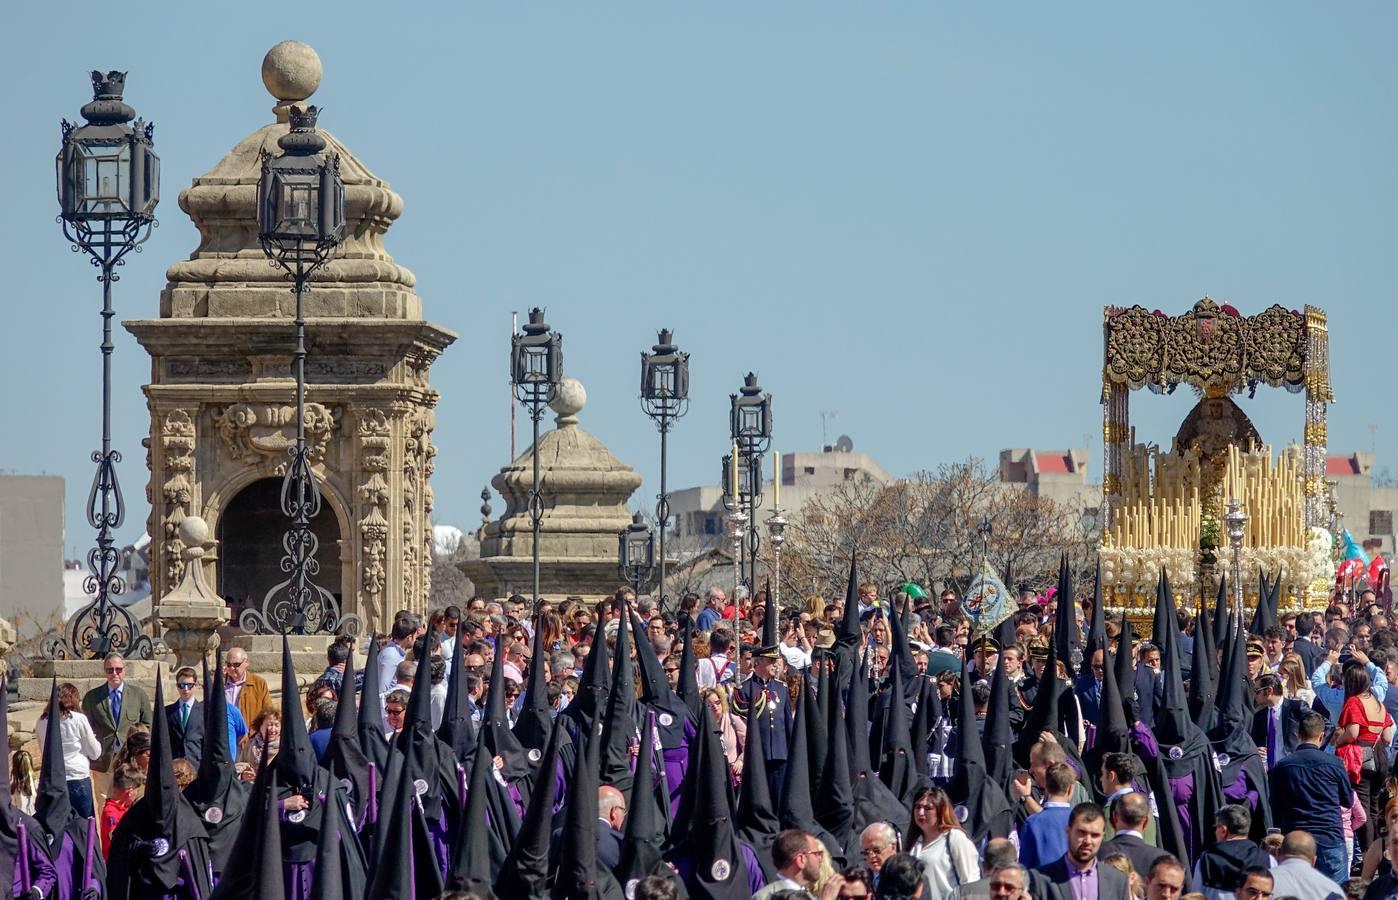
(1305, 645)
(611, 816)
(112, 708)
(1117, 777)
(186, 719)
(1276, 722)
(1130, 813)
(999, 853)
(246, 690)
(1077, 873)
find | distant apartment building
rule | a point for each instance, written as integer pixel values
(1367, 507)
(31, 551)
(698, 511)
(1057, 475)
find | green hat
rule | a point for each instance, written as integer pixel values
(914, 590)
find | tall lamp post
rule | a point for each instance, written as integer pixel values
(1236, 520)
(636, 553)
(776, 533)
(300, 222)
(536, 367)
(108, 188)
(665, 398)
(750, 426)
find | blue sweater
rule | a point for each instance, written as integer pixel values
(1044, 836)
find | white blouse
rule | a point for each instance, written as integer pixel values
(79, 744)
(948, 862)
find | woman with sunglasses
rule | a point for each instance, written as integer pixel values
(948, 856)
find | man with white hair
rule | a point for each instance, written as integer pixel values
(712, 612)
(877, 843)
(611, 816)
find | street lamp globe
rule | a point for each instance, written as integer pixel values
(536, 359)
(664, 377)
(636, 551)
(750, 416)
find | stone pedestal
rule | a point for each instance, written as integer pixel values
(222, 395)
(192, 613)
(585, 490)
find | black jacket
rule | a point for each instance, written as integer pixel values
(1288, 720)
(1141, 854)
(186, 738)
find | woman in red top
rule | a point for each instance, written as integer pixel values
(1365, 722)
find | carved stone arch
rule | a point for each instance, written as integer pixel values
(218, 500)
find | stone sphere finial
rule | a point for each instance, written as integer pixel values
(568, 400)
(291, 71)
(194, 534)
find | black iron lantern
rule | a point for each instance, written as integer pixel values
(664, 376)
(536, 356)
(300, 197)
(750, 416)
(108, 173)
(636, 552)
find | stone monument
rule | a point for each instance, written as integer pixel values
(585, 490)
(221, 397)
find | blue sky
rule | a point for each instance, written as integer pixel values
(911, 213)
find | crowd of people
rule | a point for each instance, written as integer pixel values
(883, 744)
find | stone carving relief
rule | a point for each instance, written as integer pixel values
(176, 492)
(374, 495)
(262, 433)
(417, 528)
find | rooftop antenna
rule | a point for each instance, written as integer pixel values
(826, 416)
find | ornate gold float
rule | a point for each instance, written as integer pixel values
(1165, 507)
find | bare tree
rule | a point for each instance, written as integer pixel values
(927, 529)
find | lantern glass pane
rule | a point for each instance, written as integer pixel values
(104, 178)
(663, 378)
(297, 212)
(751, 420)
(536, 365)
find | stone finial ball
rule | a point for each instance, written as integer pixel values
(569, 398)
(194, 531)
(291, 71)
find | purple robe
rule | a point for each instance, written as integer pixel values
(1182, 793)
(298, 878)
(65, 866)
(33, 868)
(676, 765)
(441, 843)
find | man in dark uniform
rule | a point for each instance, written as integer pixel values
(766, 689)
(985, 652)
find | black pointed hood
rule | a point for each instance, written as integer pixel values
(834, 802)
(850, 632)
(999, 758)
(901, 656)
(642, 850)
(656, 693)
(897, 768)
(818, 738)
(929, 711)
(1067, 637)
(217, 795)
(619, 727)
(1043, 715)
(526, 866)
(1097, 629)
(757, 821)
(795, 806)
(1220, 611)
(372, 739)
(590, 703)
(688, 686)
(717, 869)
(1172, 720)
(579, 876)
(344, 757)
(980, 804)
(255, 868)
(1113, 731)
(52, 807)
(405, 861)
(495, 724)
(857, 720)
(1124, 665)
(295, 763)
(470, 853)
(340, 869)
(1264, 616)
(1203, 683)
(535, 719)
(458, 728)
(162, 796)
